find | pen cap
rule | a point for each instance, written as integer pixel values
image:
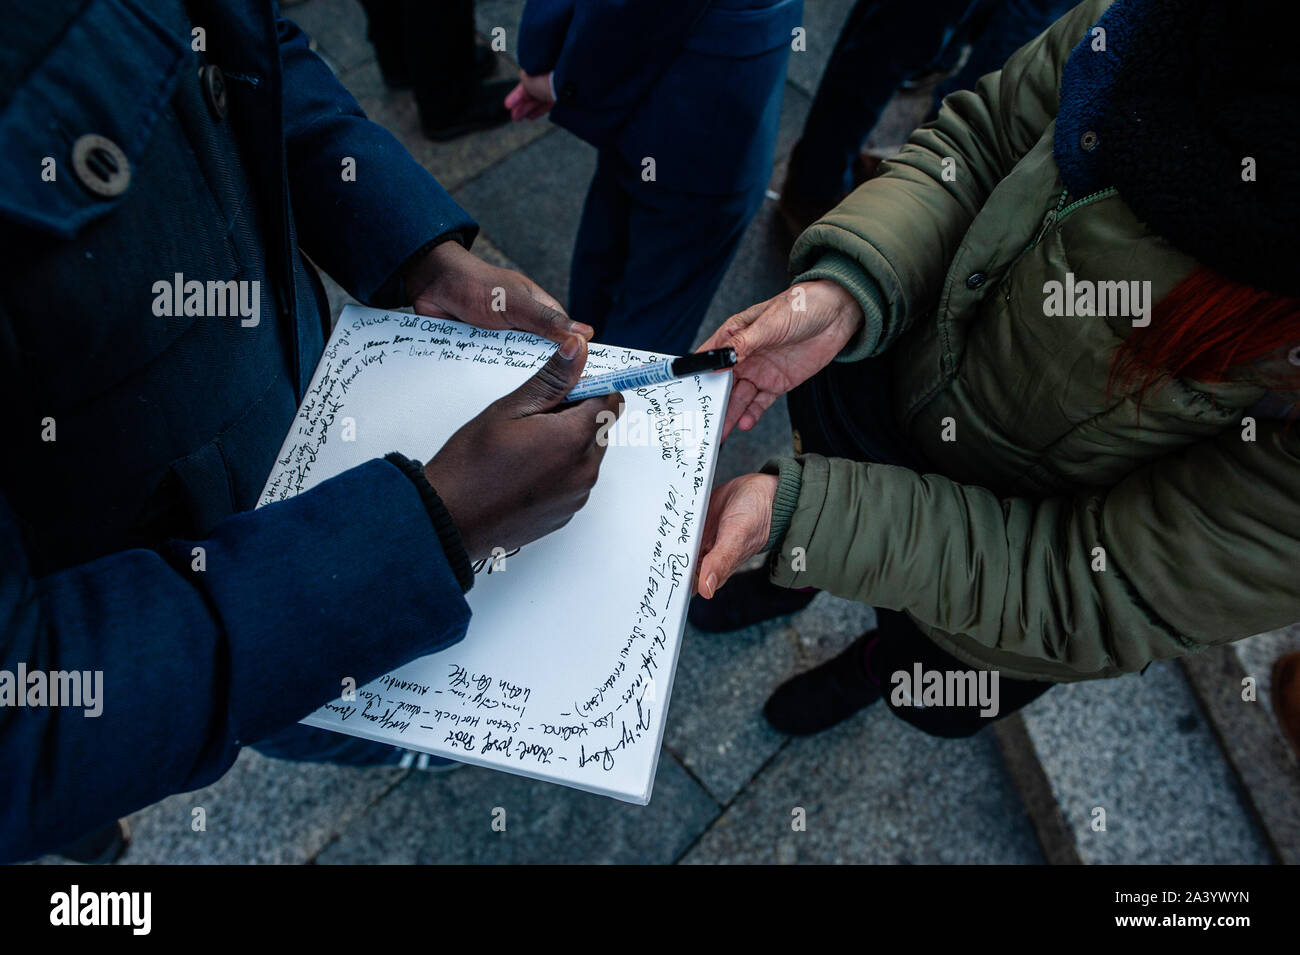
(715, 360)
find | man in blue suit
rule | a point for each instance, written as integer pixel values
(201, 142)
(682, 99)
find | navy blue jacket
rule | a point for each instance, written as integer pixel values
(165, 428)
(695, 84)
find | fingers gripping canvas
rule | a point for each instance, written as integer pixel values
(566, 670)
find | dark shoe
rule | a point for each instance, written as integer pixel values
(485, 61)
(390, 51)
(485, 109)
(825, 695)
(1286, 697)
(101, 846)
(744, 600)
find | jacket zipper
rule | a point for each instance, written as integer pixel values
(1087, 200)
(1062, 211)
(1049, 220)
(1055, 216)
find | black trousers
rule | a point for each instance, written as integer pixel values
(846, 411)
(429, 46)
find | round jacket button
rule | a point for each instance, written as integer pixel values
(569, 93)
(975, 280)
(1088, 141)
(214, 88)
(101, 166)
(1293, 356)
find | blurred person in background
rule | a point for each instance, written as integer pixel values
(430, 48)
(946, 45)
(682, 101)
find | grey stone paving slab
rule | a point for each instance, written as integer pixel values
(1263, 759)
(448, 819)
(715, 720)
(489, 14)
(453, 162)
(827, 626)
(530, 205)
(823, 20)
(263, 811)
(1257, 655)
(875, 790)
(1139, 748)
(338, 28)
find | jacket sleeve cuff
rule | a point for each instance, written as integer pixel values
(790, 477)
(786, 568)
(452, 544)
(393, 293)
(842, 270)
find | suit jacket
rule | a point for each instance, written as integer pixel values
(165, 427)
(694, 84)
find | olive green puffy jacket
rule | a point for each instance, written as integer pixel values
(1063, 538)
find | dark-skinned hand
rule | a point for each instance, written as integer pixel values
(524, 465)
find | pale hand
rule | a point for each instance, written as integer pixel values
(737, 527)
(531, 98)
(783, 342)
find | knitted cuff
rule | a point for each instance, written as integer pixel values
(452, 545)
(844, 271)
(790, 479)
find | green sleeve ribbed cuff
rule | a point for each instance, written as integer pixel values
(790, 478)
(844, 271)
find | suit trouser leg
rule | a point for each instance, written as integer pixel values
(384, 30)
(600, 249)
(649, 258)
(439, 38)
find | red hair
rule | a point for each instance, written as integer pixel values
(1205, 328)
